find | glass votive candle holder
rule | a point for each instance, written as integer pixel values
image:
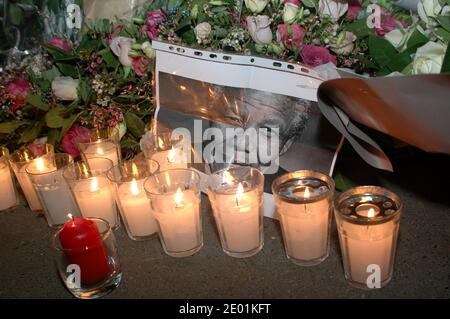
(304, 202)
(86, 257)
(53, 190)
(103, 143)
(92, 190)
(236, 196)
(368, 220)
(175, 200)
(40, 156)
(8, 193)
(170, 152)
(128, 181)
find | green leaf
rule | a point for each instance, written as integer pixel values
(442, 35)
(309, 3)
(446, 63)
(37, 102)
(85, 91)
(359, 28)
(67, 123)
(53, 118)
(408, 70)
(381, 50)
(9, 127)
(68, 70)
(109, 57)
(134, 124)
(444, 21)
(342, 182)
(57, 53)
(32, 132)
(189, 37)
(51, 74)
(416, 40)
(53, 136)
(399, 61)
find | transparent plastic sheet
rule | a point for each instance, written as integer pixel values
(232, 91)
(112, 9)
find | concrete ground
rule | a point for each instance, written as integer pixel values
(422, 267)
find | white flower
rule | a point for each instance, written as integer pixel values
(147, 143)
(65, 88)
(290, 12)
(333, 8)
(202, 32)
(445, 10)
(256, 6)
(429, 58)
(344, 44)
(259, 29)
(428, 8)
(121, 46)
(148, 50)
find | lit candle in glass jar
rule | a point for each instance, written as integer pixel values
(368, 221)
(8, 195)
(303, 200)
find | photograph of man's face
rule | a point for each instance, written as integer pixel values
(282, 117)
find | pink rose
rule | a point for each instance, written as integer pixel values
(291, 35)
(60, 43)
(155, 17)
(18, 91)
(296, 2)
(354, 7)
(387, 24)
(313, 55)
(150, 31)
(140, 65)
(77, 134)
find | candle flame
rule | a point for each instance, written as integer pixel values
(100, 151)
(228, 178)
(70, 216)
(371, 213)
(306, 194)
(160, 143)
(178, 197)
(134, 188)
(182, 88)
(171, 155)
(94, 184)
(239, 192)
(134, 170)
(40, 164)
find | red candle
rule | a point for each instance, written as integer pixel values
(83, 245)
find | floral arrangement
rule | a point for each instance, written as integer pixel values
(105, 79)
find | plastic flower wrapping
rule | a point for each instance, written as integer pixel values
(66, 74)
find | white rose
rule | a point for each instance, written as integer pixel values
(429, 58)
(121, 46)
(333, 8)
(344, 44)
(259, 29)
(428, 8)
(256, 6)
(148, 50)
(202, 32)
(65, 88)
(290, 12)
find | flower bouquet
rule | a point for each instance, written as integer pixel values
(104, 80)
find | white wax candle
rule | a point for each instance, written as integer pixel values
(136, 209)
(239, 217)
(56, 197)
(366, 245)
(95, 199)
(171, 159)
(179, 220)
(305, 228)
(8, 196)
(28, 189)
(103, 149)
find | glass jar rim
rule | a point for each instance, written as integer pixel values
(368, 191)
(260, 177)
(104, 234)
(191, 171)
(112, 178)
(91, 173)
(299, 174)
(49, 148)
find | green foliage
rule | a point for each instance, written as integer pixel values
(9, 127)
(36, 101)
(446, 63)
(54, 118)
(342, 182)
(134, 124)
